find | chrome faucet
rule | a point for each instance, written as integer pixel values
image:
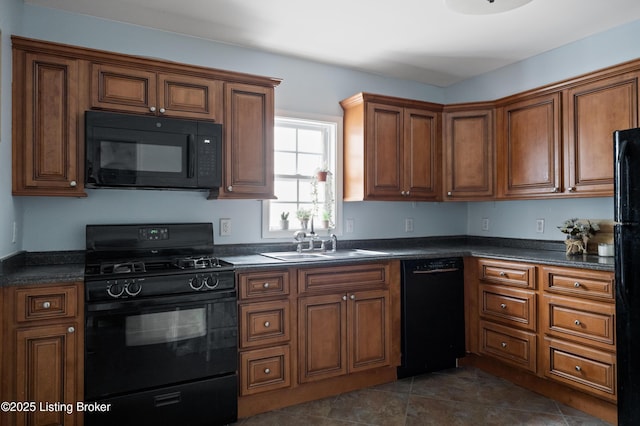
(334, 242)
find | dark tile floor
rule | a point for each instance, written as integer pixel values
(461, 396)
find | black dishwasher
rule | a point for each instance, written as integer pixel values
(432, 315)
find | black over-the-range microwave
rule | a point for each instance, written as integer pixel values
(136, 151)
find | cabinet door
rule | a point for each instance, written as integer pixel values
(322, 334)
(123, 89)
(46, 152)
(248, 144)
(369, 340)
(46, 371)
(529, 150)
(421, 152)
(189, 97)
(469, 155)
(595, 111)
(384, 152)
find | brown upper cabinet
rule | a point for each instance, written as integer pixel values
(143, 91)
(561, 143)
(468, 152)
(529, 147)
(47, 153)
(392, 149)
(53, 84)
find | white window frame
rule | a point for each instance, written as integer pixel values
(337, 176)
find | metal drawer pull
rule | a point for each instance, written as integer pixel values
(503, 274)
(344, 297)
(503, 344)
(352, 297)
(576, 284)
(267, 371)
(578, 368)
(46, 305)
(577, 322)
(435, 271)
(503, 305)
(71, 329)
(267, 324)
(265, 285)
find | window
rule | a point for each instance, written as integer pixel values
(302, 148)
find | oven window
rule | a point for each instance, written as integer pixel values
(165, 327)
(140, 157)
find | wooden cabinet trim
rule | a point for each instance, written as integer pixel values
(507, 273)
(510, 306)
(515, 347)
(254, 285)
(43, 303)
(578, 282)
(263, 370)
(368, 314)
(264, 323)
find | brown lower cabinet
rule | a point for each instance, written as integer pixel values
(42, 347)
(311, 332)
(547, 328)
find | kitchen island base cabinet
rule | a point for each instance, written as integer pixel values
(43, 352)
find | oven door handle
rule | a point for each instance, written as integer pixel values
(132, 305)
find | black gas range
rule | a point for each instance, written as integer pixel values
(160, 326)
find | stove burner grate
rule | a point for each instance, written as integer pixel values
(122, 268)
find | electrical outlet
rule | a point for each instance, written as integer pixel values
(408, 224)
(225, 227)
(349, 224)
(540, 225)
(485, 224)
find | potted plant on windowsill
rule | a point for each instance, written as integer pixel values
(284, 220)
(326, 219)
(578, 234)
(303, 216)
(322, 173)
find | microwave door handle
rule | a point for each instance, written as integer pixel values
(191, 155)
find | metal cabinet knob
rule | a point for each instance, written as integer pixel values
(265, 285)
(578, 368)
(71, 329)
(267, 371)
(352, 297)
(267, 324)
(576, 284)
(162, 110)
(503, 344)
(449, 194)
(402, 193)
(407, 193)
(73, 184)
(230, 188)
(577, 322)
(503, 305)
(46, 305)
(572, 189)
(344, 297)
(503, 274)
(555, 189)
(152, 109)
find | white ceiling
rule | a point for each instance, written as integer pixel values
(419, 40)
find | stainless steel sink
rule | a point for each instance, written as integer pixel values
(327, 255)
(292, 255)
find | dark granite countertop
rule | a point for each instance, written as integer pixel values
(53, 267)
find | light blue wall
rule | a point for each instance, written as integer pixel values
(48, 223)
(10, 208)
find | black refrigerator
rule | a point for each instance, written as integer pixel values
(627, 266)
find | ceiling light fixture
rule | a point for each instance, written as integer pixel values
(484, 7)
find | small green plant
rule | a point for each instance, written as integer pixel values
(284, 216)
(326, 215)
(303, 214)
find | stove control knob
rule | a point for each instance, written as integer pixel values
(133, 288)
(211, 282)
(115, 289)
(195, 283)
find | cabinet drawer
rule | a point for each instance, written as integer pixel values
(580, 320)
(583, 368)
(507, 273)
(341, 278)
(263, 284)
(578, 282)
(264, 370)
(264, 323)
(43, 303)
(510, 306)
(514, 347)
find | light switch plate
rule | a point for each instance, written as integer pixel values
(485, 223)
(540, 225)
(408, 224)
